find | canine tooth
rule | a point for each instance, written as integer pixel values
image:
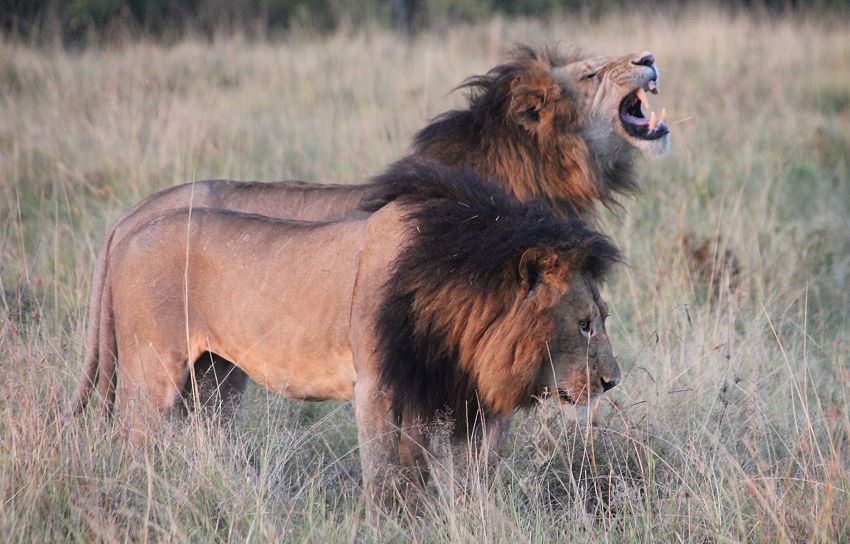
(653, 122)
(663, 115)
(642, 97)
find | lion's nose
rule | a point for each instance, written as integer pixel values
(644, 59)
(606, 385)
(610, 378)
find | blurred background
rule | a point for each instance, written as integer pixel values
(86, 21)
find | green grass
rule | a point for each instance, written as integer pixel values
(731, 423)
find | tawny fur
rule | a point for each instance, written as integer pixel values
(536, 125)
(306, 309)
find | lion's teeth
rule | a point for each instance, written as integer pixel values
(663, 115)
(642, 97)
(653, 122)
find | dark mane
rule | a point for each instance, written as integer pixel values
(550, 165)
(459, 271)
(488, 96)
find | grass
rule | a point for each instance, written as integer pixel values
(731, 423)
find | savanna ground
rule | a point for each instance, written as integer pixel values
(731, 423)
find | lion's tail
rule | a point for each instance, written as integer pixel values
(92, 360)
(107, 352)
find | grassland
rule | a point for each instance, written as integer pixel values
(731, 423)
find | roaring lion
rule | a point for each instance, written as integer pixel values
(444, 296)
(542, 125)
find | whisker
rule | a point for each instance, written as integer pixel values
(688, 118)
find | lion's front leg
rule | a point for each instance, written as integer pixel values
(413, 449)
(377, 436)
(494, 433)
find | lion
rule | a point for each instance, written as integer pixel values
(542, 125)
(444, 296)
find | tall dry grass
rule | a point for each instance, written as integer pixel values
(731, 423)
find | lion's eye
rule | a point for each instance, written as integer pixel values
(585, 326)
(588, 75)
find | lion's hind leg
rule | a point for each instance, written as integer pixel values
(216, 388)
(150, 380)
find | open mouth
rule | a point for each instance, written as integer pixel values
(635, 122)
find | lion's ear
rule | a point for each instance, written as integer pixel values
(532, 99)
(543, 273)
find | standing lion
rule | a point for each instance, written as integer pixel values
(563, 129)
(444, 294)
